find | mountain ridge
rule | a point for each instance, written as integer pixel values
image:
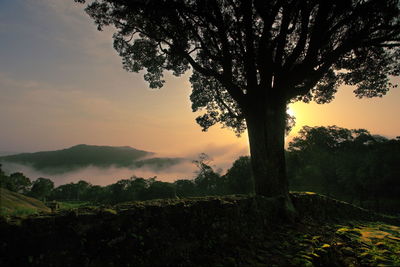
(83, 155)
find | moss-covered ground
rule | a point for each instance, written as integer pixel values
(355, 243)
(210, 231)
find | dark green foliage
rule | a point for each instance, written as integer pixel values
(159, 189)
(135, 188)
(41, 188)
(237, 47)
(348, 164)
(128, 189)
(16, 182)
(74, 191)
(185, 188)
(4, 179)
(207, 182)
(239, 177)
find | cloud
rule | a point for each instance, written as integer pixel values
(77, 30)
(222, 156)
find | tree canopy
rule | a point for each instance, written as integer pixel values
(238, 49)
(41, 188)
(347, 164)
(249, 59)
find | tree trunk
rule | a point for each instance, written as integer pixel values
(266, 123)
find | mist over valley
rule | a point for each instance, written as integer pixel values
(104, 165)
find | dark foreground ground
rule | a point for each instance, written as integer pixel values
(211, 231)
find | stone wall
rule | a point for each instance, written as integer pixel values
(186, 232)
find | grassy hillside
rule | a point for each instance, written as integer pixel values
(17, 204)
(79, 156)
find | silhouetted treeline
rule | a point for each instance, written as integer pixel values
(351, 165)
(206, 182)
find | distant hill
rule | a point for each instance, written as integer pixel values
(80, 156)
(11, 203)
(5, 153)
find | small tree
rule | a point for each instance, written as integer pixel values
(250, 58)
(207, 181)
(19, 183)
(41, 188)
(4, 179)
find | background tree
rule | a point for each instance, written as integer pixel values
(318, 147)
(4, 179)
(19, 183)
(41, 188)
(239, 177)
(185, 188)
(158, 189)
(351, 165)
(119, 191)
(96, 193)
(138, 186)
(81, 189)
(207, 181)
(65, 192)
(250, 58)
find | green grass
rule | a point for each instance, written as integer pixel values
(17, 211)
(67, 205)
(15, 204)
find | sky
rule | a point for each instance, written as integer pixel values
(62, 84)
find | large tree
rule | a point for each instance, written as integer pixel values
(250, 58)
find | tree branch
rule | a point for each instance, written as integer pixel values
(249, 56)
(264, 58)
(317, 33)
(299, 48)
(280, 40)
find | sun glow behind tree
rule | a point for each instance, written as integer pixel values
(251, 58)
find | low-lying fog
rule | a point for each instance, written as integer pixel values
(222, 158)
